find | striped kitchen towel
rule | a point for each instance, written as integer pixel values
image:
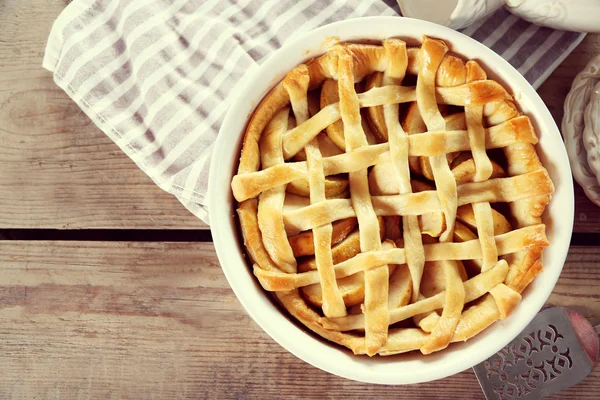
(157, 76)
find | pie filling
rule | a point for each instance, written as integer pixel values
(391, 197)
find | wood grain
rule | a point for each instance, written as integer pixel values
(126, 320)
(57, 169)
(157, 320)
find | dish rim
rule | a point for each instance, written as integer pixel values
(298, 341)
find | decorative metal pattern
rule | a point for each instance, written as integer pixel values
(536, 363)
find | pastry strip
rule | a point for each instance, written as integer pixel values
(297, 138)
(270, 204)
(376, 280)
(473, 320)
(432, 53)
(508, 243)
(296, 83)
(399, 145)
(483, 171)
(473, 289)
(247, 185)
(505, 190)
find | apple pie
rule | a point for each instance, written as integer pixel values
(391, 197)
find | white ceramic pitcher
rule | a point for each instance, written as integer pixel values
(574, 15)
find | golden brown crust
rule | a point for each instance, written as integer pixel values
(362, 282)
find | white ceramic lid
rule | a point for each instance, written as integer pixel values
(573, 125)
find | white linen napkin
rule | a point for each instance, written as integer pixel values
(157, 76)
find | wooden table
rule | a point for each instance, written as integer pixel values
(110, 289)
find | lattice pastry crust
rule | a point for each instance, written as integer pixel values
(365, 191)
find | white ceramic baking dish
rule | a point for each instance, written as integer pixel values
(409, 368)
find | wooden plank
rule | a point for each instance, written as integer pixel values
(587, 214)
(57, 169)
(130, 320)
